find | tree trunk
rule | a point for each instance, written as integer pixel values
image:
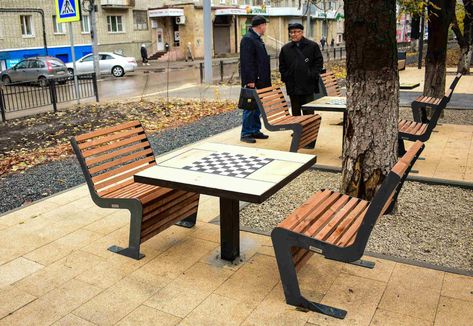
(466, 43)
(440, 17)
(372, 95)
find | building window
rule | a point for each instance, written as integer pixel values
(222, 2)
(26, 25)
(140, 20)
(234, 2)
(115, 24)
(85, 24)
(59, 28)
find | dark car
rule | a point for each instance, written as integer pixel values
(35, 69)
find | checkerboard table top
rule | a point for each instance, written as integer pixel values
(236, 172)
(327, 103)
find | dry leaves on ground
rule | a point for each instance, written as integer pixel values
(29, 141)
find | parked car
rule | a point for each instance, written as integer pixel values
(35, 69)
(109, 63)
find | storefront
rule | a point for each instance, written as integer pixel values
(165, 28)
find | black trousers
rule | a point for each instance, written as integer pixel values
(297, 101)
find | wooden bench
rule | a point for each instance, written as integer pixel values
(401, 60)
(330, 85)
(109, 158)
(421, 103)
(336, 226)
(276, 117)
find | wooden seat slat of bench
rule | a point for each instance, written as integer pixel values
(124, 174)
(121, 160)
(113, 137)
(351, 231)
(114, 145)
(291, 221)
(108, 130)
(126, 190)
(274, 102)
(265, 90)
(98, 159)
(277, 118)
(122, 169)
(171, 199)
(104, 191)
(272, 97)
(280, 107)
(313, 215)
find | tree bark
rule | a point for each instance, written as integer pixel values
(372, 95)
(466, 42)
(440, 17)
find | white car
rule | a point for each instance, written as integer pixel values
(109, 62)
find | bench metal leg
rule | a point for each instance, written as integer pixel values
(229, 228)
(401, 149)
(134, 241)
(296, 138)
(363, 263)
(188, 222)
(287, 271)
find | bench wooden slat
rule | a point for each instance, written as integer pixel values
(120, 161)
(107, 139)
(115, 145)
(116, 172)
(108, 130)
(123, 176)
(98, 159)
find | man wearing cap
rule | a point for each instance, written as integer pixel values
(300, 63)
(255, 73)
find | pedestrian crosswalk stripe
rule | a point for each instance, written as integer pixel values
(67, 8)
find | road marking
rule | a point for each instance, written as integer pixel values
(185, 86)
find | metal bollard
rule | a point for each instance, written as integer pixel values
(201, 67)
(334, 53)
(221, 71)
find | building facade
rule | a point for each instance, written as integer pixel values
(170, 29)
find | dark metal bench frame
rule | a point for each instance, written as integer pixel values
(284, 240)
(132, 204)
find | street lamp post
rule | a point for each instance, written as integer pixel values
(91, 8)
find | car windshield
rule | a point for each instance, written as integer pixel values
(56, 63)
(118, 54)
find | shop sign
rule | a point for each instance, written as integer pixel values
(168, 12)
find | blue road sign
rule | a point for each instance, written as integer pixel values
(67, 11)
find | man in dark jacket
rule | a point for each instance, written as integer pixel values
(300, 63)
(255, 73)
(144, 54)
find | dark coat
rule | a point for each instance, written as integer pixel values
(254, 61)
(144, 52)
(300, 69)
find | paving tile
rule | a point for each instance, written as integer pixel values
(358, 296)
(118, 301)
(458, 286)
(381, 272)
(208, 209)
(218, 310)
(53, 306)
(186, 292)
(58, 273)
(317, 276)
(388, 318)
(110, 223)
(106, 273)
(147, 316)
(207, 231)
(252, 282)
(413, 291)
(70, 196)
(62, 247)
(454, 312)
(11, 299)
(273, 310)
(72, 320)
(16, 270)
(27, 213)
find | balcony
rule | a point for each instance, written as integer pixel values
(117, 3)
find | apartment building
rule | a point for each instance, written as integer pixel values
(170, 28)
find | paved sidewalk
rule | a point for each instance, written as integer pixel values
(55, 269)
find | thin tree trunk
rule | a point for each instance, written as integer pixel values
(466, 50)
(464, 46)
(440, 16)
(372, 95)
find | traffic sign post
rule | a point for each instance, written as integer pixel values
(68, 11)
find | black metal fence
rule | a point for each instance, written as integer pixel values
(27, 95)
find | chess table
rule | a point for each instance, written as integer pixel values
(232, 173)
(329, 103)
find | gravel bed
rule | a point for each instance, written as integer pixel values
(47, 179)
(456, 117)
(434, 224)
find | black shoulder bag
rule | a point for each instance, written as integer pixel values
(247, 99)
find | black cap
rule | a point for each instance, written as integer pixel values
(295, 26)
(258, 20)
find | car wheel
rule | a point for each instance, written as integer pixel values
(118, 71)
(43, 81)
(70, 71)
(6, 80)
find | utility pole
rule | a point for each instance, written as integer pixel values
(421, 38)
(208, 77)
(91, 7)
(308, 18)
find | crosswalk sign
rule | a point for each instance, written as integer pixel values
(67, 11)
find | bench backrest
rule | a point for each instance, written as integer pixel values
(386, 196)
(272, 104)
(110, 157)
(330, 84)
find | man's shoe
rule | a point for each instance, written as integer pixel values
(260, 135)
(248, 139)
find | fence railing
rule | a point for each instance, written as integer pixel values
(27, 95)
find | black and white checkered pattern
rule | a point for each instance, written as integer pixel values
(228, 164)
(338, 101)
